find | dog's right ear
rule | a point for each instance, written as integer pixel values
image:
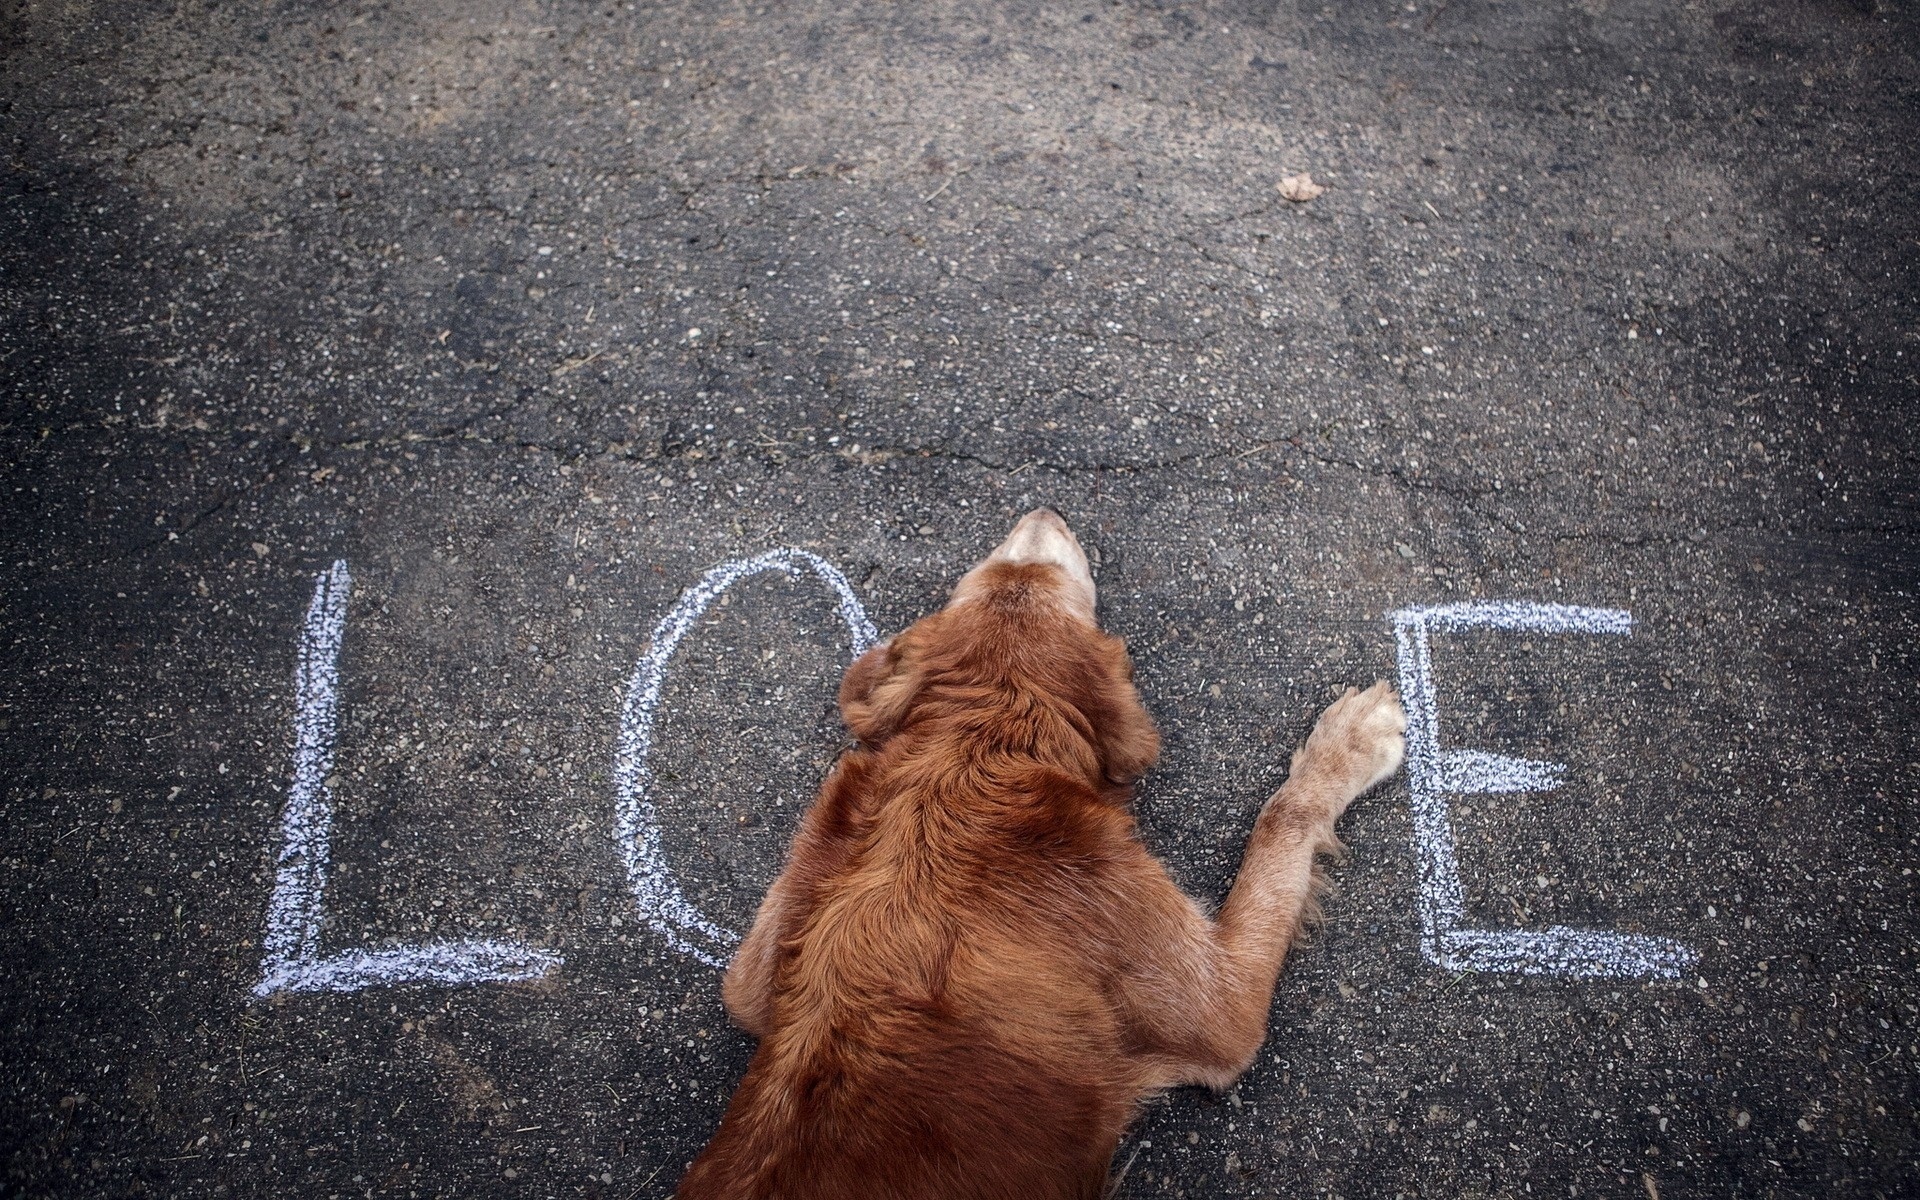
(876, 692)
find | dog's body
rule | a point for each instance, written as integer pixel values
(971, 970)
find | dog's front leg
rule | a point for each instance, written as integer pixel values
(1203, 991)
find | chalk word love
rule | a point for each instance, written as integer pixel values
(1433, 774)
(292, 959)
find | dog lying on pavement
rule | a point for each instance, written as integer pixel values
(971, 971)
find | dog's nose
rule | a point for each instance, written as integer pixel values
(1043, 537)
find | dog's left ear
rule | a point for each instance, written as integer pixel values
(1123, 730)
(876, 692)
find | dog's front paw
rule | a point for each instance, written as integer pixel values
(1359, 740)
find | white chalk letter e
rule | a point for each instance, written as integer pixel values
(1433, 774)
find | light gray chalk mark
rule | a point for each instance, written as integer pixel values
(1476, 771)
(636, 821)
(296, 913)
(1433, 774)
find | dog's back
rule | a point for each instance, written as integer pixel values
(937, 1028)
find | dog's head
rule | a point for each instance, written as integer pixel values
(1016, 652)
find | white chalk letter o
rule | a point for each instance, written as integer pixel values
(636, 822)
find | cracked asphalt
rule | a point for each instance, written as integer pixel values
(533, 312)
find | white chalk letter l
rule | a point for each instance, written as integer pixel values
(296, 914)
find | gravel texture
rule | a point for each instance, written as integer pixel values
(534, 312)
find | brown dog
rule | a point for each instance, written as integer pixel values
(971, 971)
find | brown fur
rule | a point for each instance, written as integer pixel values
(971, 970)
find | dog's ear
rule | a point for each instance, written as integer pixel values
(876, 692)
(1123, 730)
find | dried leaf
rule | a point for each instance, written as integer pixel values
(1300, 188)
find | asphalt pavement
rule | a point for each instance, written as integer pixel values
(403, 877)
